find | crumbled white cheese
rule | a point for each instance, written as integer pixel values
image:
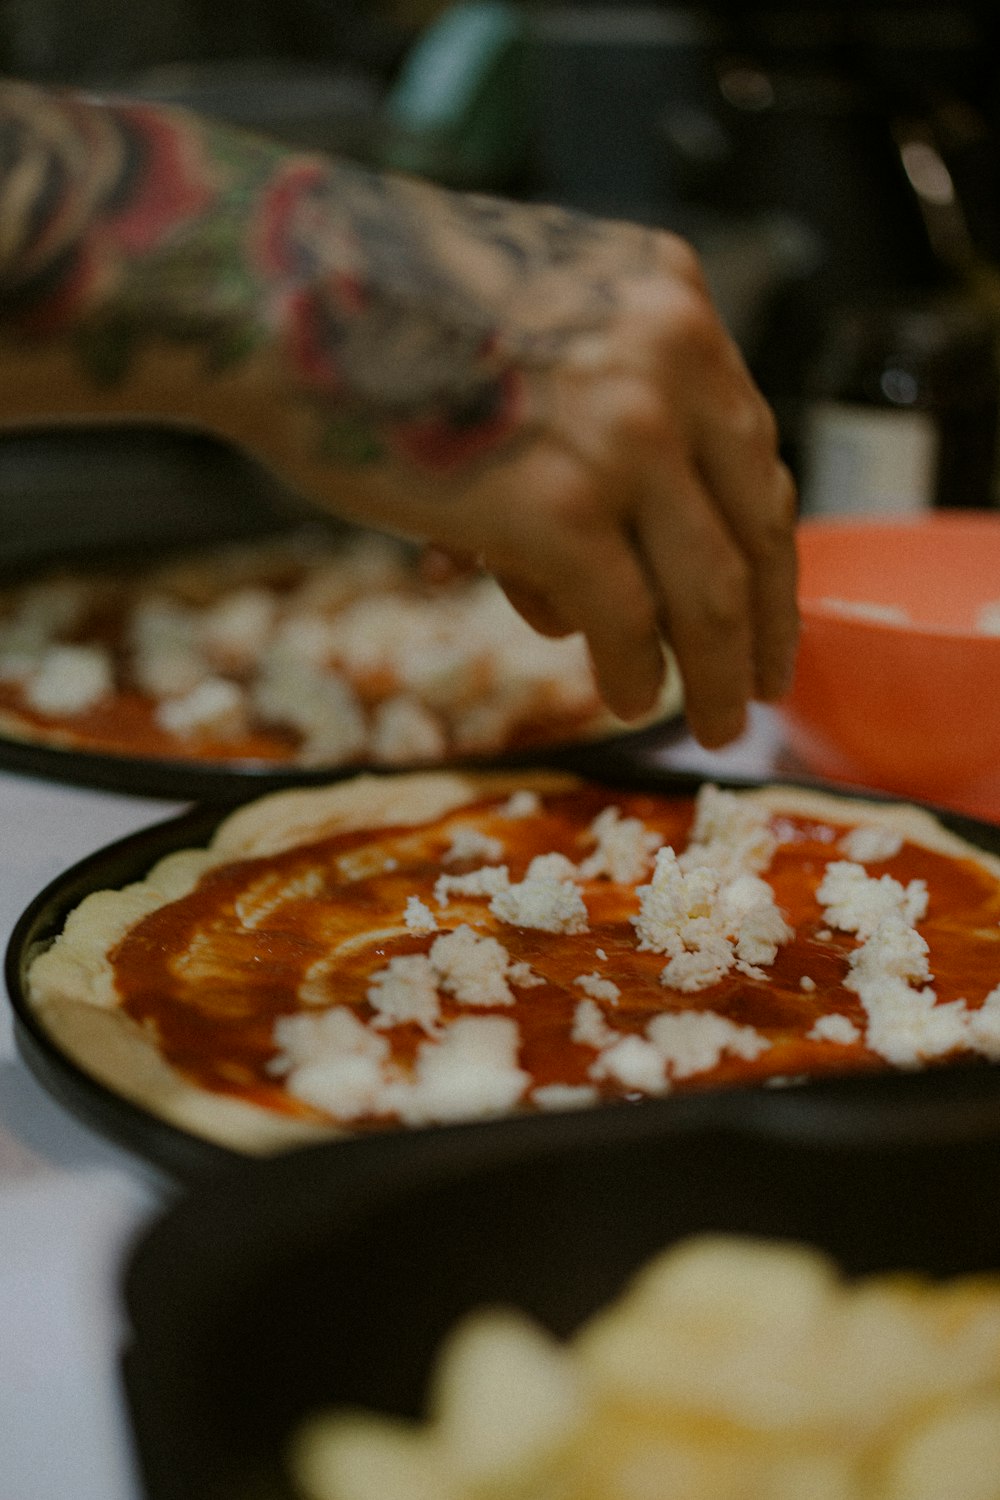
(871, 842)
(524, 976)
(487, 722)
(834, 1028)
(403, 729)
(693, 1041)
(468, 842)
(908, 1028)
(598, 988)
(521, 804)
(214, 706)
(748, 910)
(984, 1027)
(406, 990)
(321, 705)
(699, 967)
(418, 917)
(600, 953)
(857, 902)
(472, 968)
(234, 631)
(730, 834)
(590, 1029)
(332, 1061)
(547, 899)
(625, 847)
(471, 1072)
(905, 1025)
(167, 659)
(553, 866)
(70, 679)
(706, 927)
(894, 949)
(889, 969)
(50, 608)
(807, 983)
(672, 902)
(303, 639)
(487, 881)
(17, 663)
(633, 1062)
(560, 1096)
(335, 1063)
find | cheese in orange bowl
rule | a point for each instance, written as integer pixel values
(897, 683)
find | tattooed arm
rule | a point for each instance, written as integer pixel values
(551, 394)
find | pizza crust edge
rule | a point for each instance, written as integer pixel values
(70, 989)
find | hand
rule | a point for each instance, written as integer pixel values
(619, 474)
(548, 394)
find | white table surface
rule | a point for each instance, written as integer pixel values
(70, 1202)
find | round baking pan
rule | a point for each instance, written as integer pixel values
(878, 1105)
(227, 783)
(176, 477)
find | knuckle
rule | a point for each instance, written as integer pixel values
(773, 536)
(760, 426)
(681, 260)
(689, 329)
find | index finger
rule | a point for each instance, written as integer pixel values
(736, 452)
(701, 583)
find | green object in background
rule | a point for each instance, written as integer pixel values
(457, 111)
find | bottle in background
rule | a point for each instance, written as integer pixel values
(901, 409)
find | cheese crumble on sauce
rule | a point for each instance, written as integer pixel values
(298, 650)
(545, 953)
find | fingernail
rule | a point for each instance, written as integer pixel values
(721, 732)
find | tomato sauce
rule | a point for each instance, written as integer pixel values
(211, 972)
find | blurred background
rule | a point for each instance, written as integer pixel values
(836, 166)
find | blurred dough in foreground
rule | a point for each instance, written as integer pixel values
(729, 1369)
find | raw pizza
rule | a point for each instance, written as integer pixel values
(300, 650)
(408, 949)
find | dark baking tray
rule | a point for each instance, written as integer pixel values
(170, 1149)
(225, 784)
(328, 1276)
(94, 498)
(187, 1157)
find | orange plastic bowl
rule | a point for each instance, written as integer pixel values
(897, 684)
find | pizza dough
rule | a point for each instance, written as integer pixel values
(410, 949)
(294, 651)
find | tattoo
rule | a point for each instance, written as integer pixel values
(409, 320)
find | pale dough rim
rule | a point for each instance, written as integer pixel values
(69, 987)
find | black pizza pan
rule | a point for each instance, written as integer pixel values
(226, 783)
(956, 1097)
(171, 1150)
(328, 1277)
(92, 499)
